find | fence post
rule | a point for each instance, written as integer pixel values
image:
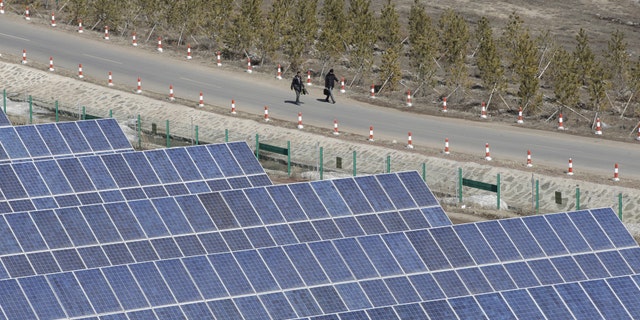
(196, 134)
(537, 196)
(289, 158)
(460, 185)
(257, 147)
(226, 135)
(168, 136)
(139, 132)
(424, 172)
(110, 113)
(57, 112)
(321, 166)
(498, 191)
(388, 163)
(4, 100)
(354, 163)
(30, 110)
(620, 206)
(577, 198)
(84, 113)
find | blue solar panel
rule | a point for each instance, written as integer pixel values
(322, 249)
(4, 120)
(53, 139)
(32, 141)
(72, 133)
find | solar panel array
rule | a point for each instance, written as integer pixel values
(4, 120)
(195, 235)
(57, 183)
(368, 247)
(61, 139)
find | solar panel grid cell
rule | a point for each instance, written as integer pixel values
(13, 145)
(225, 159)
(605, 300)
(374, 193)
(74, 136)
(89, 198)
(627, 292)
(94, 136)
(331, 198)
(54, 139)
(33, 142)
(353, 196)
(4, 120)
(240, 150)
(183, 164)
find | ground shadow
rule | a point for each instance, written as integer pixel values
(292, 101)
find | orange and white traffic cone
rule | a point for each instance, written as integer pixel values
(372, 92)
(201, 101)
(233, 106)
(615, 173)
(483, 112)
(249, 68)
(598, 127)
(335, 127)
(134, 39)
(218, 61)
(26, 14)
(1, 7)
(487, 153)
(300, 126)
(171, 96)
(529, 163)
(80, 75)
(106, 32)
(51, 64)
(309, 78)
(409, 102)
(342, 89)
(53, 19)
(446, 145)
(638, 137)
(24, 56)
(80, 30)
(371, 133)
(139, 89)
(266, 113)
(110, 83)
(189, 52)
(159, 44)
(520, 118)
(279, 73)
(560, 124)
(444, 104)
(570, 170)
(409, 141)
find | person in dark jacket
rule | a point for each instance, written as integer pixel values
(297, 86)
(329, 80)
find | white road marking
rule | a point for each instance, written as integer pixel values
(199, 82)
(10, 36)
(100, 58)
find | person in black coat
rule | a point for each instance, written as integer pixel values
(297, 86)
(329, 80)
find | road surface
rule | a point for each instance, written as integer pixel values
(157, 71)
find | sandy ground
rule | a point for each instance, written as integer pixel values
(441, 170)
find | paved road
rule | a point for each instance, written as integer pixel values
(157, 71)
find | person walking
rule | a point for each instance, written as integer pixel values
(297, 86)
(329, 81)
